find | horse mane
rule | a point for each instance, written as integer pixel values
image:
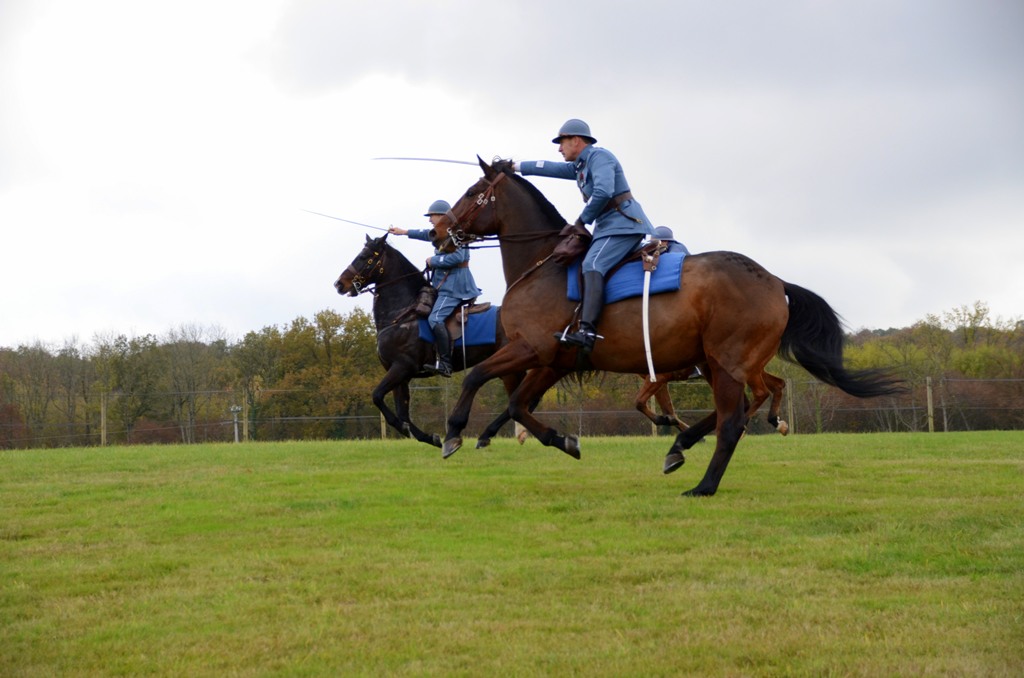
(549, 211)
(406, 267)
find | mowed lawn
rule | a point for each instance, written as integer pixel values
(862, 555)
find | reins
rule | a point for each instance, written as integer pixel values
(483, 200)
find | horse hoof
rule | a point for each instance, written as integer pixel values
(451, 447)
(482, 443)
(698, 492)
(435, 440)
(523, 435)
(782, 428)
(572, 446)
(673, 460)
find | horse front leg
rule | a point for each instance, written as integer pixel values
(692, 434)
(513, 358)
(525, 399)
(511, 383)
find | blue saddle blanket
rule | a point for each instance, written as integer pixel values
(628, 281)
(481, 329)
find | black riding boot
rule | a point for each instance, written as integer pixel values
(444, 352)
(593, 302)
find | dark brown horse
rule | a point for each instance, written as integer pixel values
(730, 314)
(395, 283)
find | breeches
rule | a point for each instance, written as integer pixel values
(443, 307)
(604, 253)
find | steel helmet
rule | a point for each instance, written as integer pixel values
(663, 233)
(574, 128)
(438, 207)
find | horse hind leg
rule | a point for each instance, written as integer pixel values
(408, 428)
(730, 414)
(511, 383)
(776, 386)
(658, 390)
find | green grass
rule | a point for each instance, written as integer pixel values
(869, 555)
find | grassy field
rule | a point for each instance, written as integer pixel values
(869, 555)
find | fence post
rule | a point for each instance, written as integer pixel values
(103, 419)
(931, 409)
(790, 412)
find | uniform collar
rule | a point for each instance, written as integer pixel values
(581, 161)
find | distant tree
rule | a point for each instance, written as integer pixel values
(136, 369)
(257, 364)
(76, 380)
(195, 358)
(34, 380)
(12, 425)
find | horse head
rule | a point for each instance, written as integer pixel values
(474, 212)
(502, 202)
(366, 268)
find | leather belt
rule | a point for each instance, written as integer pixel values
(615, 202)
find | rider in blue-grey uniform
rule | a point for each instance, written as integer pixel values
(619, 221)
(450, 276)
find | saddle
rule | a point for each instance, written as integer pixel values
(461, 315)
(649, 253)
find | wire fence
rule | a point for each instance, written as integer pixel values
(808, 407)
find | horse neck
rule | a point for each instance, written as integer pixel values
(397, 288)
(528, 235)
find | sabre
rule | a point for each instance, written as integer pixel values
(347, 221)
(454, 162)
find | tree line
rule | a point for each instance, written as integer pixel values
(312, 378)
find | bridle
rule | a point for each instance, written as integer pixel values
(372, 267)
(364, 280)
(483, 200)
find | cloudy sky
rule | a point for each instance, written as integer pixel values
(155, 157)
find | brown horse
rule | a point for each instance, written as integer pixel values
(767, 385)
(729, 313)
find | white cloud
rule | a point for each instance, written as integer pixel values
(155, 157)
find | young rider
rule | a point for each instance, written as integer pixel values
(450, 277)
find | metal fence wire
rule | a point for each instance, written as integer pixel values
(808, 407)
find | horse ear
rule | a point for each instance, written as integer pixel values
(368, 238)
(489, 171)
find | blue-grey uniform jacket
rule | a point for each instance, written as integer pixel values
(600, 177)
(449, 278)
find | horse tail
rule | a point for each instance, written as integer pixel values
(813, 339)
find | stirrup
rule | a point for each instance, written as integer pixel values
(439, 369)
(580, 339)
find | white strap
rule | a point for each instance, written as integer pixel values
(647, 324)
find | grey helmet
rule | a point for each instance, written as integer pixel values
(574, 128)
(438, 207)
(663, 233)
